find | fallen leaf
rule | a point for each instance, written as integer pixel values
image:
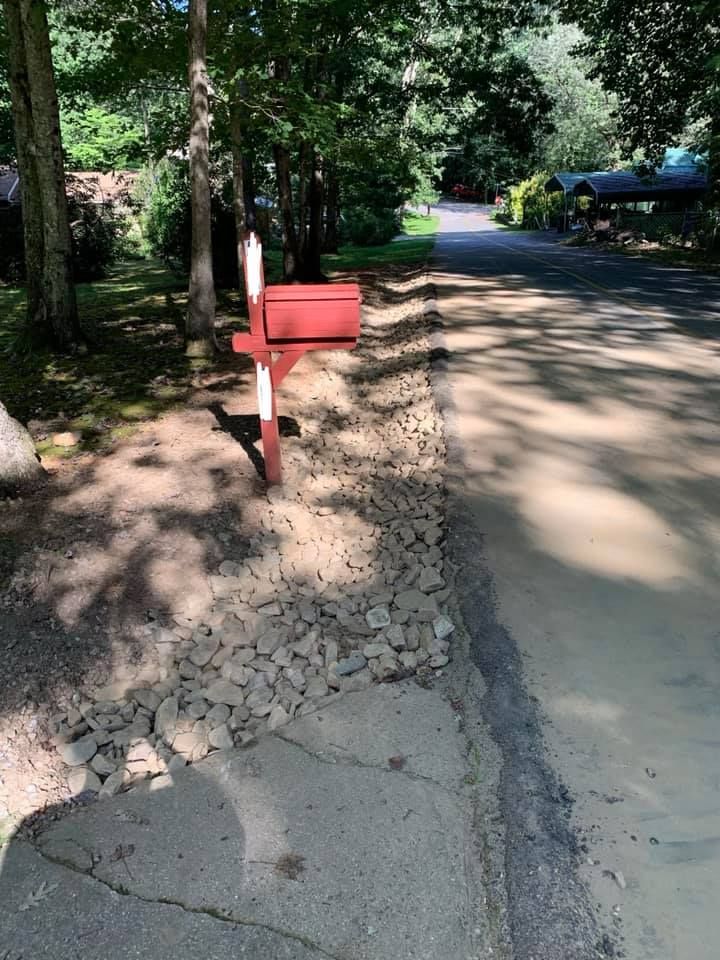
(42, 893)
(290, 865)
(120, 852)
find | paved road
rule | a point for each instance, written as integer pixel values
(586, 398)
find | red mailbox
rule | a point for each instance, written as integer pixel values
(290, 319)
(317, 311)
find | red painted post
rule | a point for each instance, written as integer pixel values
(289, 320)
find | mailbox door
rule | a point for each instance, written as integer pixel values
(305, 312)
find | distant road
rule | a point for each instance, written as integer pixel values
(587, 410)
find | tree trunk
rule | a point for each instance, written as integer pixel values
(20, 467)
(200, 324)
(238, 176)
(304, 187)
(52, 308)
(291, 260)
(311, 262)
(331, 240)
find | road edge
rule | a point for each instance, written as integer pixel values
(548, 910)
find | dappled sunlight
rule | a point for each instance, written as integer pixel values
(583, 709)
(575, 515)
(593, 420)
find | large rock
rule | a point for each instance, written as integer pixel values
(80, 751)
(166, 718)
(223, 691)
(20, 467)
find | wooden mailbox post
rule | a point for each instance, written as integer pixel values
(289, 320)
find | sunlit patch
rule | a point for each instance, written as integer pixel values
(576, 515)
(599, 713)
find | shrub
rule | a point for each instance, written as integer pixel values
(167, 221)
(530, 205)
(96, 241)
(369, 228)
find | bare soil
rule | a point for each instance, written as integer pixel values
(117, 539)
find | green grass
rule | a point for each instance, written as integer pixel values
(418, 225)
(135, 369)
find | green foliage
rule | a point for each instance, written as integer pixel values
(164, 197)
(370, 228)
(98, 139)
(584, 132)
(530, 205)
(660, 59)
(96, 243)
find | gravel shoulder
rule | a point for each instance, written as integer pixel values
(278, 752)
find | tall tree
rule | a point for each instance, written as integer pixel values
(51, 306)
(660, 57)
(200, 324)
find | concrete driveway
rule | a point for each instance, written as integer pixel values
(585, 407)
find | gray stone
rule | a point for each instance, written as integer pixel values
(165, 719)
(114, 783)
(79, 751)
(395, 636)
(371, 650)
(127, 712)
(223, 691)
(378, 617)
(357, 682)
(240, 715)
(349, 665)
(272, 609)
(192, 746)
(268, 643)
(316, 688)
(221, 738)
(442, 627)
(296, 678)
(306, 646)
(236, 671)
(257, 697)
(385, 668)
(197, 709)
(136, 731)
(308, 611)
(430, 580)
(205, 650)
(188, 670)
(409, 660)
(278, 717)
(411, 600)
(219, 713)
(102, 765)
(147, 699)
(82, 779)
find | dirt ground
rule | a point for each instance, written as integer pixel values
(115, 541)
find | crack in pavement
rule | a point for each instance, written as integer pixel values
(212, 912)
(330, 759)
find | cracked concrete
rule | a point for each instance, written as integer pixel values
(387, 866)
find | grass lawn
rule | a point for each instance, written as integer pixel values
(136, 368)
(418, 225)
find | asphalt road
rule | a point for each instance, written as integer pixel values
(584, 398)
